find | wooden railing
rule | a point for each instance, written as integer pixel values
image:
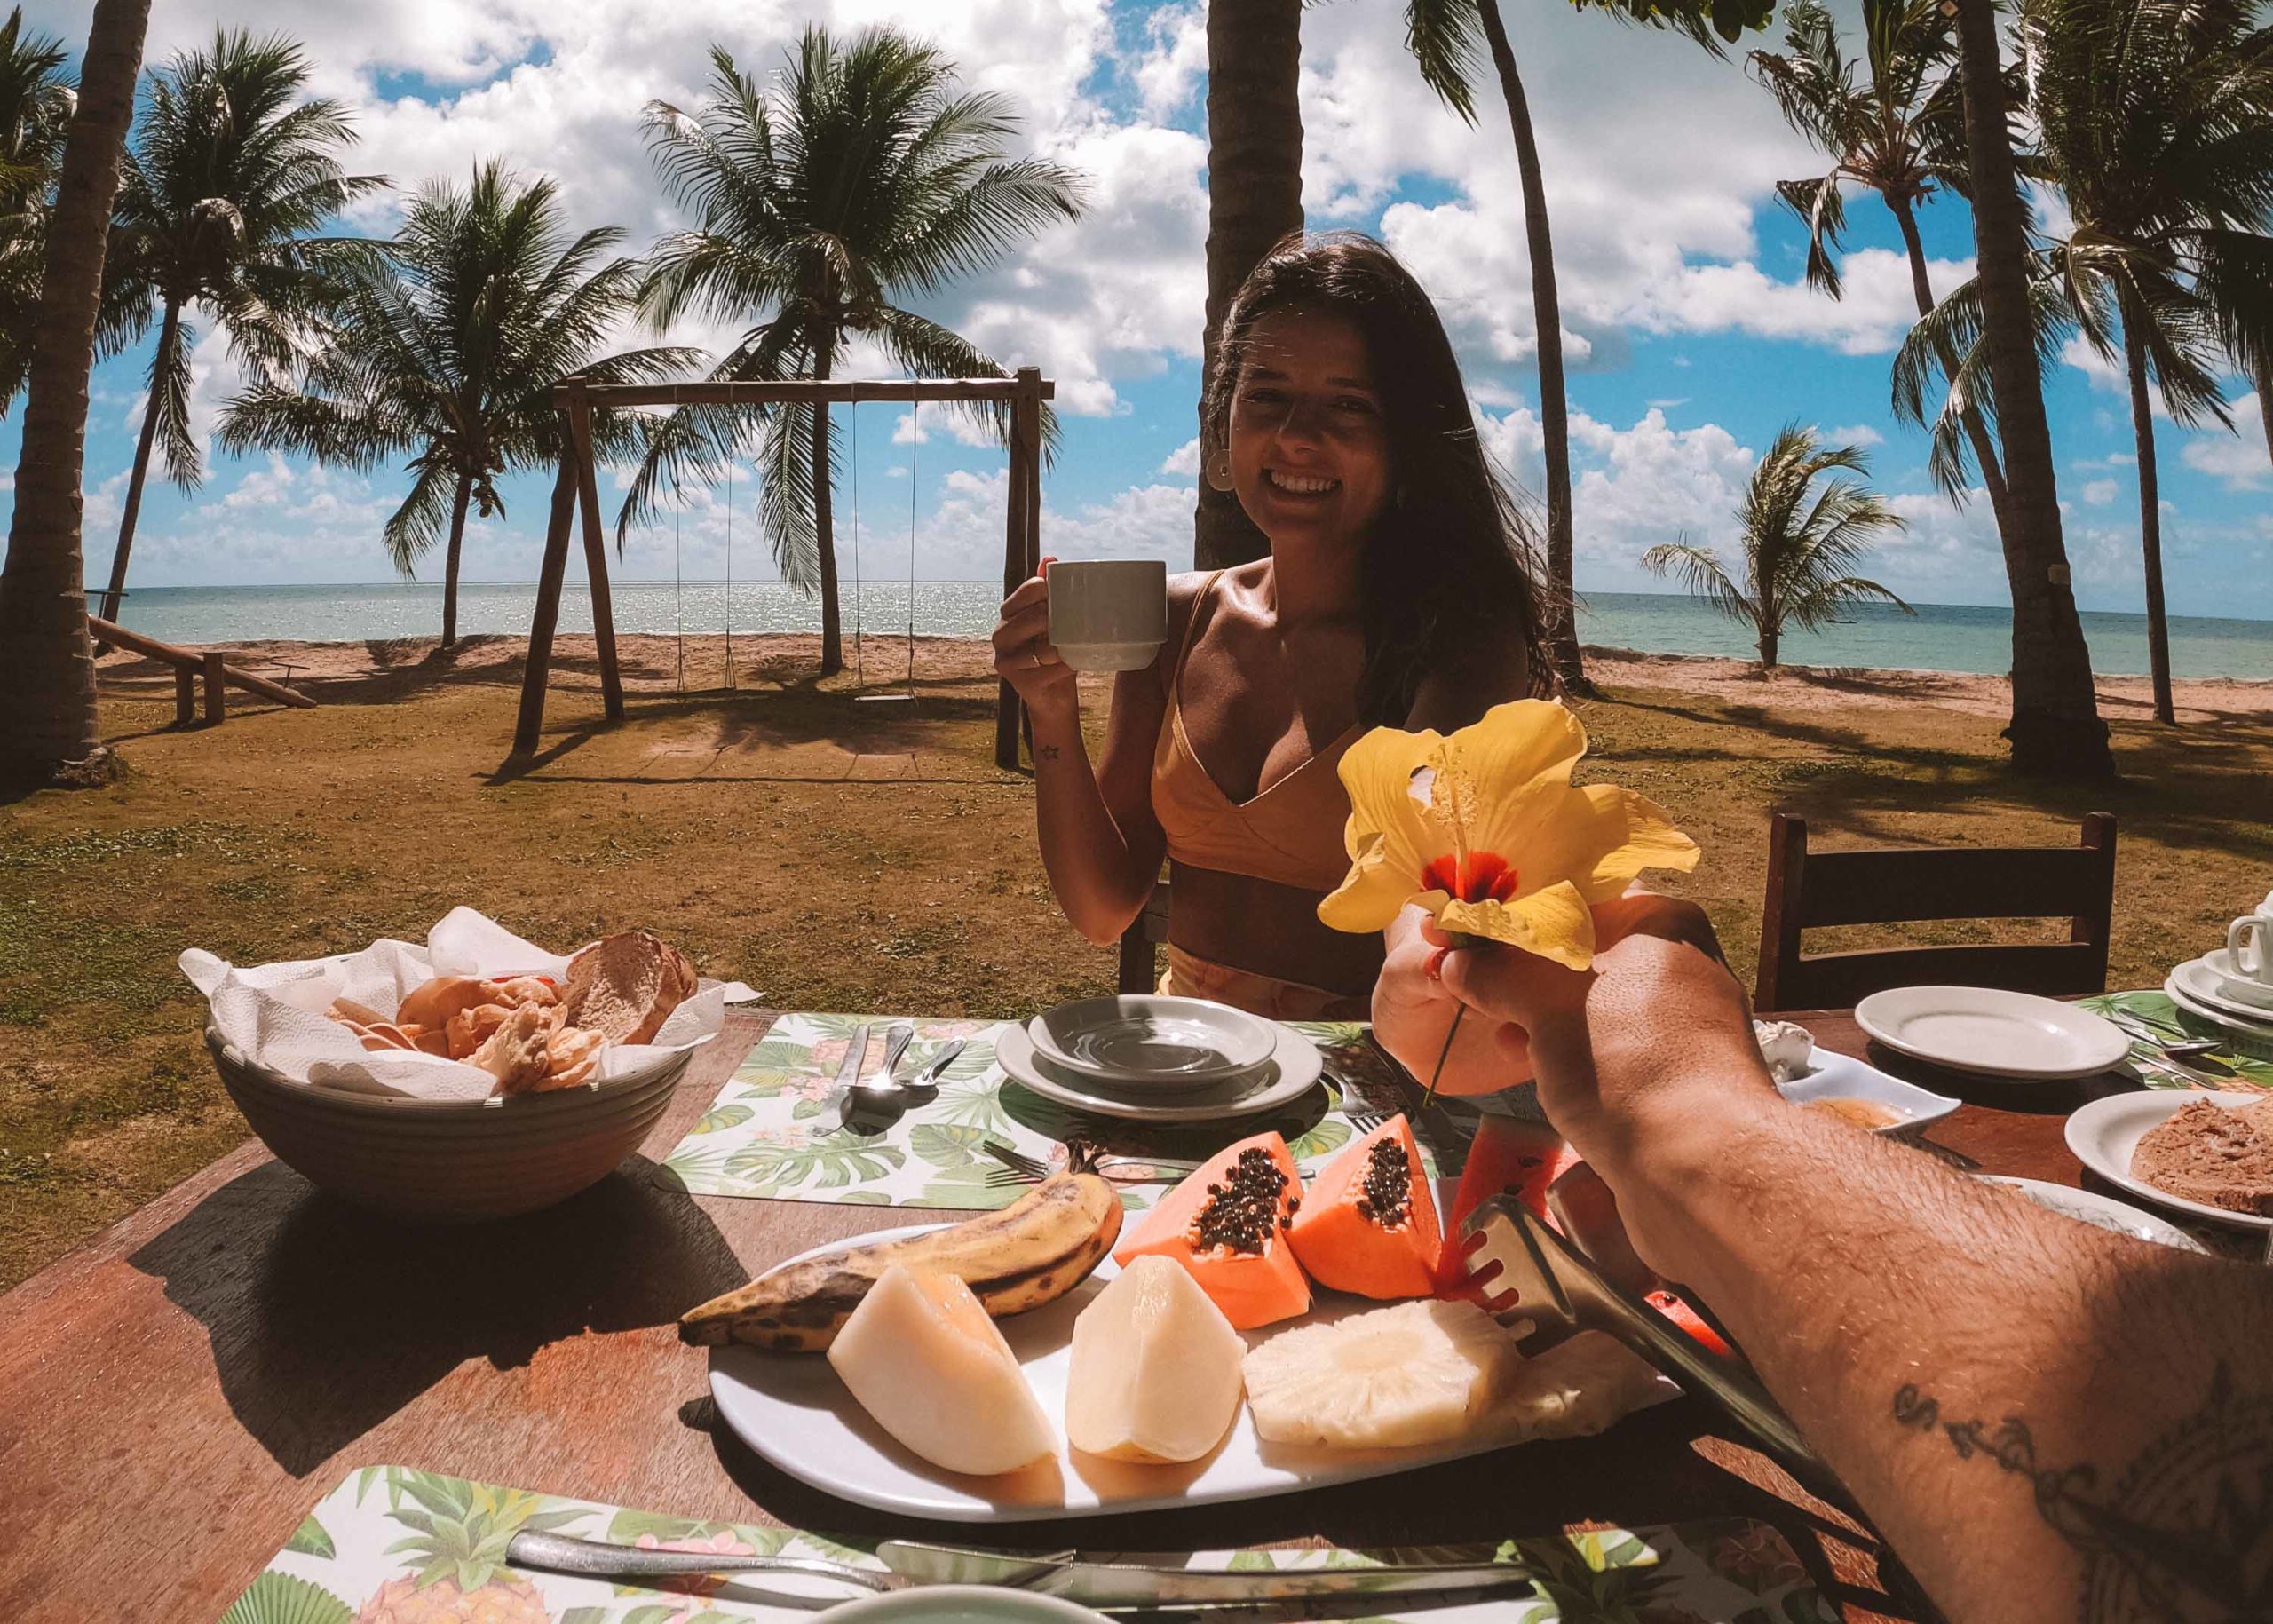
(194, 668)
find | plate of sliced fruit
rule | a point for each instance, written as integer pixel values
(1246, 1337)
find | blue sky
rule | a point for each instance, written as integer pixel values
(1690, 335)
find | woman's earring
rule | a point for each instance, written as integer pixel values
(1219, 471)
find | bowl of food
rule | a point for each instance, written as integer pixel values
(486, 1096)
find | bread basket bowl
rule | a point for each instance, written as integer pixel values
(445, 1160)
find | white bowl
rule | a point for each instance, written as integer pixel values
(1152, 1040)
(2234, 985)
(1837, 1076)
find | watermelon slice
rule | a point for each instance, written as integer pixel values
(1509, 1157)
(1227, 1225)
(1367, 1225)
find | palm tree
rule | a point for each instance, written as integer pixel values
(2157, 121)
(1442, 34)
(862, 177)
(1899, 132)
(445, 350)
(2055, 728)
(230, 174)
(1255, 198)
(1802, 545)
(47, 668)
(35, 103)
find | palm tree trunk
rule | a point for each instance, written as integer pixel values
(1770, 641)
(169, 338)
(831, 624)
(2055, 728)
(2150, 516)
(1560, 631)
(47, 668)
(1254, 197)
(1976, 433)
(450, 567)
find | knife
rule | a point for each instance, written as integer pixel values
(847, 1073)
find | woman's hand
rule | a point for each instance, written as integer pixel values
(1413, 1009)
(1024, 655)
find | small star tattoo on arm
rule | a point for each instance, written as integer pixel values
(1048, 752)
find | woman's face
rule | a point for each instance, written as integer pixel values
(1308, 447)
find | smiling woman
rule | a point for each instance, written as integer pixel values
(1395, 592)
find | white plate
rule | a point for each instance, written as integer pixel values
(1290, 1073)
(2002, 1033)
(960, 1605)
(793, 1409)
(2199, 985)
(2100, 1211)
(1152, 1043)
(2248, 991)
(1836, 1076)
(2105, 1133)
(2242, 1037)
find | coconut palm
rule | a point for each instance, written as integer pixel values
(1801, 544)
(445, 351)
(1255, 198)
(1443, 36)
(1893, 123)
(47, 668)
(862, 177)
(35, 103)
(230, 174)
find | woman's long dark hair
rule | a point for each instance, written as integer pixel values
(1448, 563)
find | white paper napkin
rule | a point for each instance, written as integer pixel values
(274, 1014)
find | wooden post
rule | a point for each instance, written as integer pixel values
(580, 433)
(1021, 542)
(185, 696)
(217, 674)
(539, 670)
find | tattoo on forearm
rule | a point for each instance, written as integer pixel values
(1046, 752)
(2183, 1536)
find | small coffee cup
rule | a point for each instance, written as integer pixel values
(2249, 944)
(1109, 615)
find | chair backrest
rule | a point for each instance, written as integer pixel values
(1139, 971)
(1888, 886)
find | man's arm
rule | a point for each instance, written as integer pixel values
(2049, 1421)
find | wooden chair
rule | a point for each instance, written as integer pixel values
(1897, 885)
(1140, 970)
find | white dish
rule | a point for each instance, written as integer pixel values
(1291, 1072)
(1152, 1043)
(960, 1605)
(2235, 986)
(2201, 986)
(792, 1409)
(1837, 1076)
(2100, 1211)
(2002, 1033)
(2253, 1038)
(2105, 1133)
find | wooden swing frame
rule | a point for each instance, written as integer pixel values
(576, 489)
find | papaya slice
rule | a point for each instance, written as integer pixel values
(1367, 1225)
(1508, 1157)
(1227, 1225)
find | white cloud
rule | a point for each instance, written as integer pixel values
(2099, 492)
(1853, 434)
(1185, 459)
(1174, 62)
(2241, 459)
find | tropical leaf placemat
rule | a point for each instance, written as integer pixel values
(769, 1134)
(390, 1545)
(2240, 1064)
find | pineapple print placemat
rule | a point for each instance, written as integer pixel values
(393, 1546)
(771, 1132)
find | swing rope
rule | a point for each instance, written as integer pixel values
(860, 658)
(733, 456)
(916, 436)
(678, 574)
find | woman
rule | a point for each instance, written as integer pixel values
(1393, 593)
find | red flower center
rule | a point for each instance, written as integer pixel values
(1485, 877)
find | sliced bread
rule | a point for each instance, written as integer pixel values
(2208, 1153)
(624, 986)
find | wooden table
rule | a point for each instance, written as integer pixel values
(177, 1393)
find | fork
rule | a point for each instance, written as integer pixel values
(1364, 1119)
(1018, 1168)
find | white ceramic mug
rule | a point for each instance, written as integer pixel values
(1111, 616)
(2258, 964)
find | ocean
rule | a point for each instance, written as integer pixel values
(1942, 637)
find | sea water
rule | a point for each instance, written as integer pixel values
(1940, 638)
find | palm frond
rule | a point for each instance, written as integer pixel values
(1444, 37)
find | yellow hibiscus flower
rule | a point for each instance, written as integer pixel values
(1486, 830)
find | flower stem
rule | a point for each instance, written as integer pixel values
(1430, 1098)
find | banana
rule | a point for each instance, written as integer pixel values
(1029, 1253)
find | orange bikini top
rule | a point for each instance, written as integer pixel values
(1290, 832)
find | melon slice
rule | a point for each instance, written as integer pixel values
(1508, 1157)
(1367, 1225)
(922, 1358)
(1226, 1224)
(1155, 1374)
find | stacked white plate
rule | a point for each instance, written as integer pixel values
(2207, 989)
(1160, 1059)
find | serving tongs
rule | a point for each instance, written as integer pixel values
(1533, 1274)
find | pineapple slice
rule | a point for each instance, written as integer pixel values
(1417, 1372)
